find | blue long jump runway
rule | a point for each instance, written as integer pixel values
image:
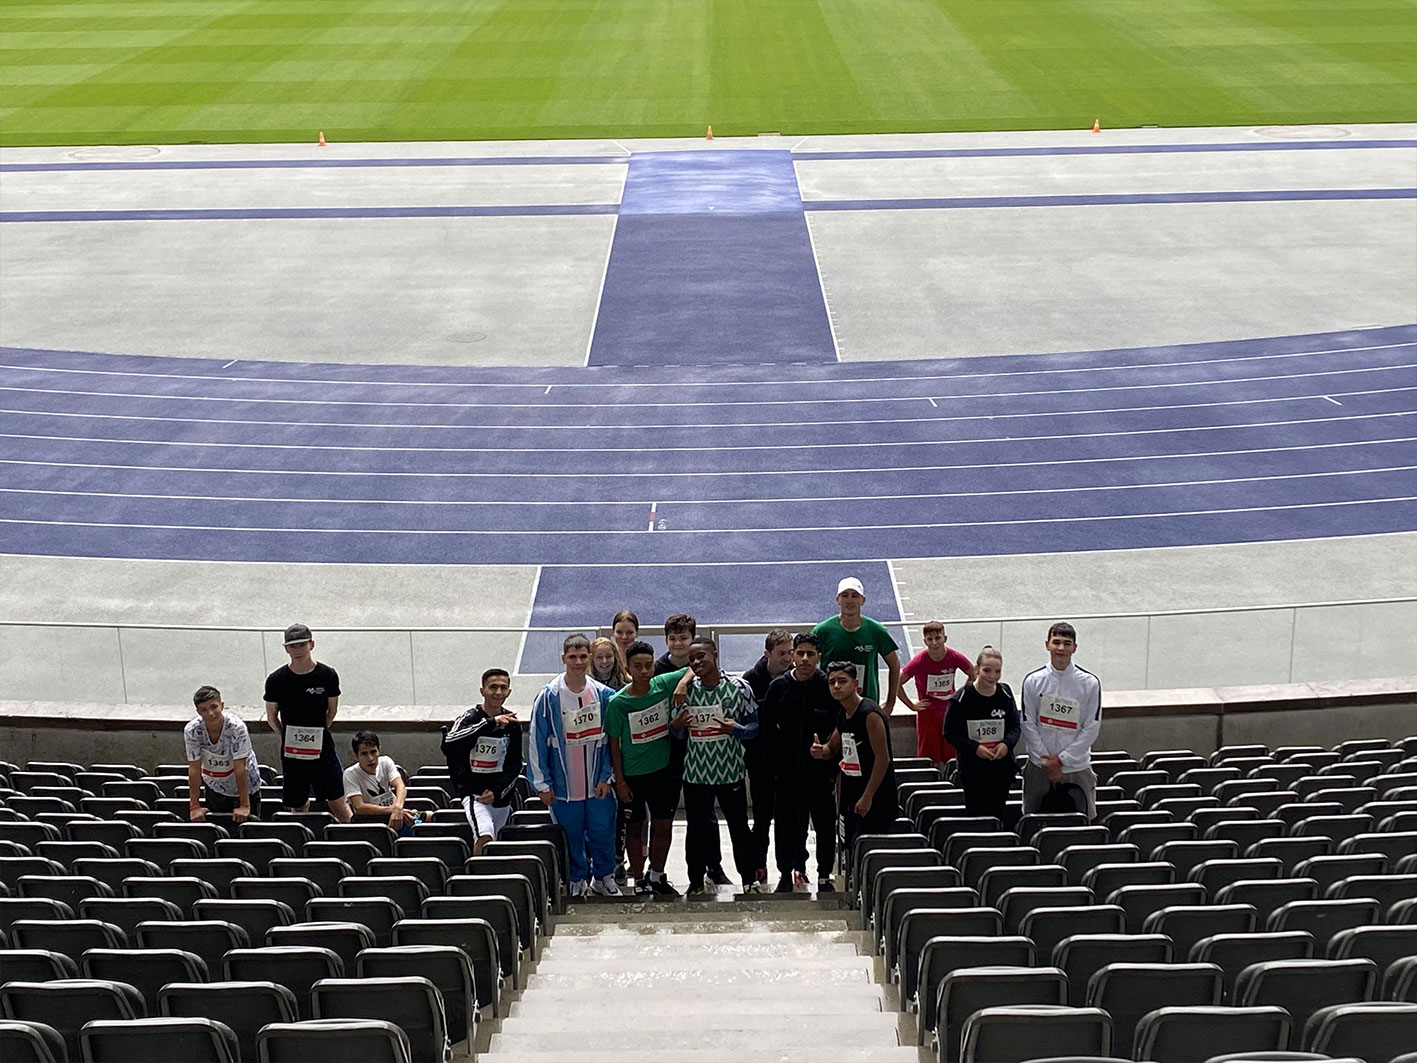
(1296, 437)
(711, 263)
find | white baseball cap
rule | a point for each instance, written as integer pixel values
(851, 583)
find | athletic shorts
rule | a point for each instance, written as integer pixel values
(487, 820)
(929, 736)
(323, 777)
(223, 804)
(658, 792)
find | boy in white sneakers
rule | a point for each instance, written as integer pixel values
(568, 766)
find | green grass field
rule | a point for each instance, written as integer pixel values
(172, 71)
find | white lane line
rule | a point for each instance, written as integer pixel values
(548, 389)
(977, 441)
(821, 280)
(604, 272)
(900, 611)
(229, 364)
(776, 500)
(935, 404)
(326, 382)
(521, 475)
(503, 429)
(1334, 401)
(901, 398)
(530, 608)
(509, 533)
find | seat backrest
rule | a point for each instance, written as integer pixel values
(1199, 1032)
(1303, 986)
(901, 901)
(891, 879)
(1367, 1031)
(378, 914)
(873, 860)
(475, 937)
(67, 1003)
(146, 969)
(941, 955)
(1083, 955)
(517, 888)
(256, 917)
(1191, 853)
(244, 1007)
(1333, 867)
(159, 1040)
(406, 891)
(367, 1040)
(345, 938)
(30, 1042)
(1017, 902)
(973, 863)
(70, 889)
(1383, 945)
(446, 966)
(433, 873)
(379, 835)
(1325, 918)
(1232, 953)
(410, 1002)
(294, 893)
(35, 965)
(356, 854)
(30, 908)
(1400, 981)
(1267, 896)
(1127, 991)
(210, 939)
(966, 990)
(1138, 902)
(1012, 1034)
(1185, 924)
(72, 937)
(325, 872)
(959, 842)
(1106, 879)
(1048, 926)
(128, 912)
(295, 967)
(183, 891)
(997, 881)
(1052, 841)
(112, 872)
(497, 912)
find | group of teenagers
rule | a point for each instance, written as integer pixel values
(802, 738)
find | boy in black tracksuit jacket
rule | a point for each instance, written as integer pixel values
(796, 713)
(492, 744)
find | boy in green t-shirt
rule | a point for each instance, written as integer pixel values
(864, 642)
(637, 723)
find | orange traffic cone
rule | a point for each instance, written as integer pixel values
(321, 141)
(709, 134)
(1097, 125)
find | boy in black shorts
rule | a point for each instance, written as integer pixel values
(302, 698)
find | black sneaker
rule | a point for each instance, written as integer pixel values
(825, 885)
(643, 887)
(718, 878)
(696, 889)
(621, 875)
(784, 885)
(660, 887)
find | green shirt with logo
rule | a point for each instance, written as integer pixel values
(863, 647)
(713, 758)
(642, 724)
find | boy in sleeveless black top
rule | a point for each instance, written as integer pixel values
(868, 799)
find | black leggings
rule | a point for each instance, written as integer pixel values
(701, 842)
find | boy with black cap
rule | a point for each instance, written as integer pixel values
(302, 698)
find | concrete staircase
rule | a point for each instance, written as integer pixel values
(752, 980)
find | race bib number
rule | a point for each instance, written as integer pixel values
(703, 725)
(648, 725)
(582, 724)
(215, 765)
(986, 730)
(487, 755)
(940, 685)
(1058, 712)
(850, 756)
(304, 743)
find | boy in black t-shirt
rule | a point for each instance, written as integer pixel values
(302, 698)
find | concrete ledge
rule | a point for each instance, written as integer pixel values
(1200, 718)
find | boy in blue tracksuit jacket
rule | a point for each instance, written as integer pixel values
(569, 768)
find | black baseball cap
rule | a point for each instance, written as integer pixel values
(297, 633)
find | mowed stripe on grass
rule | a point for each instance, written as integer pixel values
(141, 71)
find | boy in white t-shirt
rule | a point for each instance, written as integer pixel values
(373, 785)
(221, 765)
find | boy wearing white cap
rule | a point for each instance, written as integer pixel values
(864, 642)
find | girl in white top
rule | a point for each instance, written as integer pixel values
(221, 765)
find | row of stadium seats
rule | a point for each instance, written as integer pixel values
(1246, 901)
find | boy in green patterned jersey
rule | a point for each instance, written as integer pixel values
(720, 716)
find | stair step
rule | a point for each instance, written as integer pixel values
(793, 1054)
(701, 963)
(728, 978)
(730, 1035)
(695, 950)
(806, 1000)
(700, 925)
